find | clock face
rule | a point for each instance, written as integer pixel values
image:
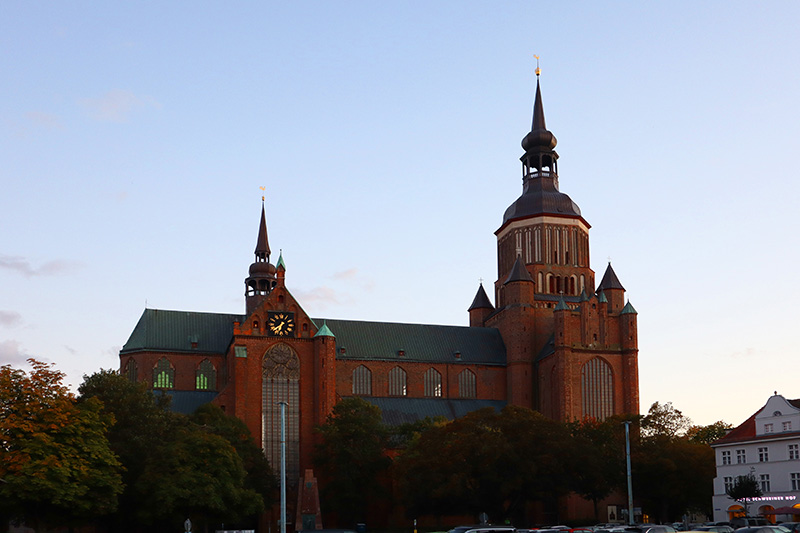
(281, 324)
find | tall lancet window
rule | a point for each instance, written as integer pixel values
(597, 389)
(281, 383)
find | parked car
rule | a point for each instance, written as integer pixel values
(748, 521)
(794, 527)
(715, 529)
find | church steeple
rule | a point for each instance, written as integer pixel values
(262, 278)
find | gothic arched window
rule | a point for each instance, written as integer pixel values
(398, 380)
(597, 389)
(281, 385)
(163, 375)
(467, 384)
(362, 381)
(206, 376)
(132, 371)
(433, 383)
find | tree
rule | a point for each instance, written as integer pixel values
(598, 462)
(744, 488)
(485, 461)
(55, 458)
(352, 460)
(708, 434)
(664, 420)
(259, 475)
(177, 466)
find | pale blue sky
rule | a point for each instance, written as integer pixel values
(134, 137)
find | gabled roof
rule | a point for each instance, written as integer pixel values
(177, 331)
(383, 341)
(400, 410)
(747, 430)
(610, 280)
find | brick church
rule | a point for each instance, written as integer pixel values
(552, 341)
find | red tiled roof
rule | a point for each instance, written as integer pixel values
(747, 430)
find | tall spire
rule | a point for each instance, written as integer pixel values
(262, 244)
(540, 139)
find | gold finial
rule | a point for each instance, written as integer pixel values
(263, 189)
(538, 70)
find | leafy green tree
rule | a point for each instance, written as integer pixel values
(55, 459)
(484, 461)
(708, 434)
(596, 462)
(177, 467)
(195, 474)
(351, 460)
(259, 475)
(664, 420)
(743, 489)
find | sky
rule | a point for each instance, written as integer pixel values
(135, 137)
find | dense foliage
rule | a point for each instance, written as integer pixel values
(55, 461)
(205, 467)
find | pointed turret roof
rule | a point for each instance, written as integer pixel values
(481, 300)
(628, 309)
(324, 331)
(518, 273)
(281, 264)
(601, 297)
(262, 244)
(561, 305)
(540, 138)
(610, 280)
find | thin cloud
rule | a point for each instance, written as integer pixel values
(116, 105)
(44, 120)
(23, 266)
(350, 273)
(322, 296)
(11, 353)
(10, 318)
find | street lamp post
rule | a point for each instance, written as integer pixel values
(283, 466)
(628, 463)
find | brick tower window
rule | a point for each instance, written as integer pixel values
(433, 383)
(132, 371)
(467, 384)
(597, 389)
(362, 381)
(163, 375)
(398, 380)
(206, 376)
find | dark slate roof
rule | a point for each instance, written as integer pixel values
(262, 243)
(518, 273)
(187, 402)
(175, 331)
(381, 341)
(610, 280)
(398, 411)
(549, 348)
(541, 197)
(481, 300)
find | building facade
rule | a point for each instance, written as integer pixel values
(766, 446)
(552, 341)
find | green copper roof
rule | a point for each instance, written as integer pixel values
(561, 305)
(384, 341)
(280, 261)
(324, 331)
(628, 309)
(601, 297)
(179, 331)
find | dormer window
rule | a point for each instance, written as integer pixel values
(787, 426)
(768, 428)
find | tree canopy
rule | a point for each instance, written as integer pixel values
(55, 458)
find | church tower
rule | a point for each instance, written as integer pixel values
(262, 278)
(570, 352)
